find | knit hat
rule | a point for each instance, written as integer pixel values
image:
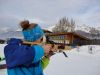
(33, 34)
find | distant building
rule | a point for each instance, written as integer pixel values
(68, 38)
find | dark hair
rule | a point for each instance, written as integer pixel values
(32, 25)
(24, 24)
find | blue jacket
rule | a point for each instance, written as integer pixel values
(22, 59)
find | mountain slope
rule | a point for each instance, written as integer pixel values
(84, 28)
(11, 34)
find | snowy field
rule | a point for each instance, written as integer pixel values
(79, 62)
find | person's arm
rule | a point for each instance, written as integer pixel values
(39, 52)
(45, 61)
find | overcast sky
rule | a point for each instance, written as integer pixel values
(48, 12)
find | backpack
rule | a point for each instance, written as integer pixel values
(17, 54)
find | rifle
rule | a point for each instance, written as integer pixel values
(53, 50)
(59, 47)
(49, 42)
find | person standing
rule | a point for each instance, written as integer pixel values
(24, 58)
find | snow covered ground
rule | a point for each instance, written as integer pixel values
(78, 62)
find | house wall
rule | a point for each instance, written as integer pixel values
(69, 39)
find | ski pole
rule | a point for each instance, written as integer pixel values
(65, 54)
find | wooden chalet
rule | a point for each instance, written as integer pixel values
(68, 38)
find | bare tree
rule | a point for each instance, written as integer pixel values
(72, 25)
(64, 25)
(93, 32)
